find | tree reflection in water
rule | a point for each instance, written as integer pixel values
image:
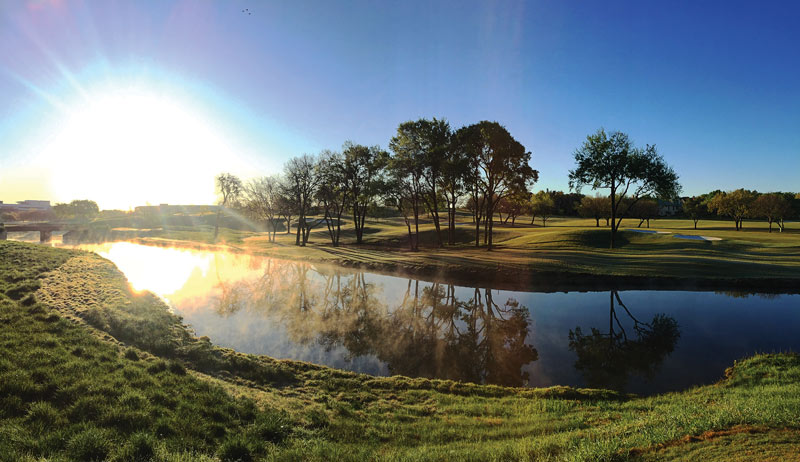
(606, 360)
(429, 333)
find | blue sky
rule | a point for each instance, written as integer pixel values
(715, 85)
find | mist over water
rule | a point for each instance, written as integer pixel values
(637, 341)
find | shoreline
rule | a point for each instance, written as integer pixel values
(502, 278)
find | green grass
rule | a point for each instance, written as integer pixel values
(92, 371)
(567, 250)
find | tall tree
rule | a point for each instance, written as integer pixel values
(454, 174)
(364, 180)
(735, 204)
(302, 181)
(595, 207)
(332, 192)
(82, 210)
(261, 201)
(695, 208)
(774, 207)
(399, 194)
(542, 205)
(230, 188)
(645, 210)
(499, 166)
(612, 162)
(426, 143)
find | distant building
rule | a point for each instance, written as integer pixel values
(669, 208)
(25, 206)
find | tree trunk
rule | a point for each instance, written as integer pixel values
(597, 222)
(695, 224)
(490, 216)
(613, 214)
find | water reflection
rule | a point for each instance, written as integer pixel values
(429, 332)
(608, 359)
(382, 325)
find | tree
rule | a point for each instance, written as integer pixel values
(594, 207)
(695, 208)
(775, 207)
(566, 204)
(543, 206)
(407, 169)
(399, 194)
(260, 200)
(645, 210)
(454, 173)
(426, 143)
(499, 167)
(364, 180)
(82, 210)
(332, 192)
(514, 205)
(612, 162)
(735, 204)
(230, 188)
(302, 181)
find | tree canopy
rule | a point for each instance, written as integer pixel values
(611, 161)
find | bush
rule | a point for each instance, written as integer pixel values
(90, 445)
(130, 353)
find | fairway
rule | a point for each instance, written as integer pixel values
(567, 248)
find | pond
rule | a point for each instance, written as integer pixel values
(642, 342)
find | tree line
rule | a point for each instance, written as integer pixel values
(433, 170)
(429, 168)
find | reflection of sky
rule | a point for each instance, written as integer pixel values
(715, 329)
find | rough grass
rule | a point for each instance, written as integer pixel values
(73, 387)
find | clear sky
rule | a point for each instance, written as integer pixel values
(143, 101)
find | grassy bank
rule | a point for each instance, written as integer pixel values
(567, 254)
(94, 371)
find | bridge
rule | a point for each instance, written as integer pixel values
(45, 229)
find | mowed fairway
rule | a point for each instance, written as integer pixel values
(565, 245)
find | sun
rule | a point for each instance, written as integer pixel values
(129, 147)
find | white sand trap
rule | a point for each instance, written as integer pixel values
(697, 238)
(648, 231)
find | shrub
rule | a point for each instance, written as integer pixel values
(130, 353)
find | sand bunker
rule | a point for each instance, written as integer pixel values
(697, 238)
(648, 231)
(679, 236)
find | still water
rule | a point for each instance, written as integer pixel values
(638, 341)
